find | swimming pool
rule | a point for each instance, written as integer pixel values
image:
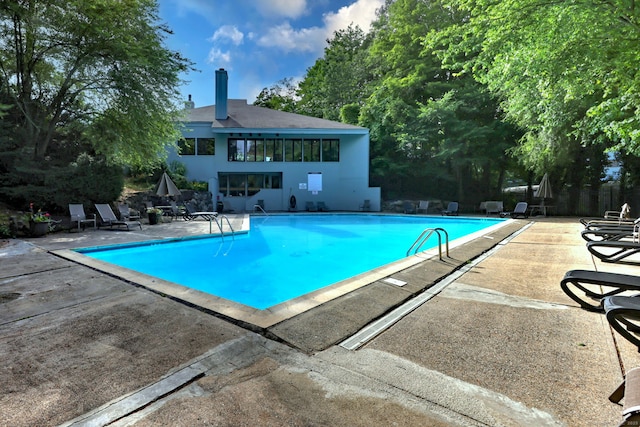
(284, 256)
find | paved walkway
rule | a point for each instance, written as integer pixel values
(495, 343)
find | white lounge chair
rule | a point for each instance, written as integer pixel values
(109, 218)
(77, 215)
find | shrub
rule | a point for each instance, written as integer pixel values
(86, 181)
(5, 231)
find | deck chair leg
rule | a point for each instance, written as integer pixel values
(629, 390)
(617, 394)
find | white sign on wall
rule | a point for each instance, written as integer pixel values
(314, 180)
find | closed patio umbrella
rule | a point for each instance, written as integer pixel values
(544, 189)
(544, 192)
(166, 187)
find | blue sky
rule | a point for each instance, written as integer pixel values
(258, 42)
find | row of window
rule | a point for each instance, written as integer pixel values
(197, 146)
(287, 150)
(243, 184)
(266, 150)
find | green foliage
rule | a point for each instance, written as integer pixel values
(459, 94)
(90, 87)
(177, 171)
(565, 72)
(53, 187)
(5, 230)
(428, 115)
(88, 181)
(340, 78)
(350, 114)
(282, 96)
(99, 67)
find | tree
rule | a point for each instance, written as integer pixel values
(99, 64)
(281, 96)
(90, 88)
(340, 78)
(565, 71)
(444, 128)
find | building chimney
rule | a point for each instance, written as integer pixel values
(221, 94)
(189, 105)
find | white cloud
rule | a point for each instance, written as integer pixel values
(219, 58)
(288, 39)
(228, 32)
(282, 8)
(314, 39)
(361, 13)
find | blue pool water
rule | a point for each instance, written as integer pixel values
(284, 257)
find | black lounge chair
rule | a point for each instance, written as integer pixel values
(128, 214)
(408, 207)
(623, 314)
(600, 234)
(603, 223)
(452, 209)
(620, 216)
(322, 207)
(588, 288)
(190, 215)
(311, 207)
(519, 211)
(621, 249)
(109, 218)
(76, 210)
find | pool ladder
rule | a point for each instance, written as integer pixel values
(424, 236)
(260, 208)
(225, 218)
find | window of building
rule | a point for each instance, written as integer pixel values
(330, 150)
(236, 149)
(311, 150)
(251, 150)
(259, 150)
(278, 150)
(187, 146)
(273, 180)
(206, 146)
(254, 183)
(292, 150)
(273, 150)
(237, 185)
(242, 184)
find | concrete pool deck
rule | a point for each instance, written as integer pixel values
(496, 343)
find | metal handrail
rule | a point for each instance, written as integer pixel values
(260, 208)
(233, 234)
(424, 236)
(215, 218)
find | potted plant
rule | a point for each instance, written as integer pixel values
(39, 222)
(154, 215)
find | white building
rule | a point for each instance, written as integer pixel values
(250, 154)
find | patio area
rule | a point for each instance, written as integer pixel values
(495, 343)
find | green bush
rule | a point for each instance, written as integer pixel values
(5, 231)
(85, 181)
